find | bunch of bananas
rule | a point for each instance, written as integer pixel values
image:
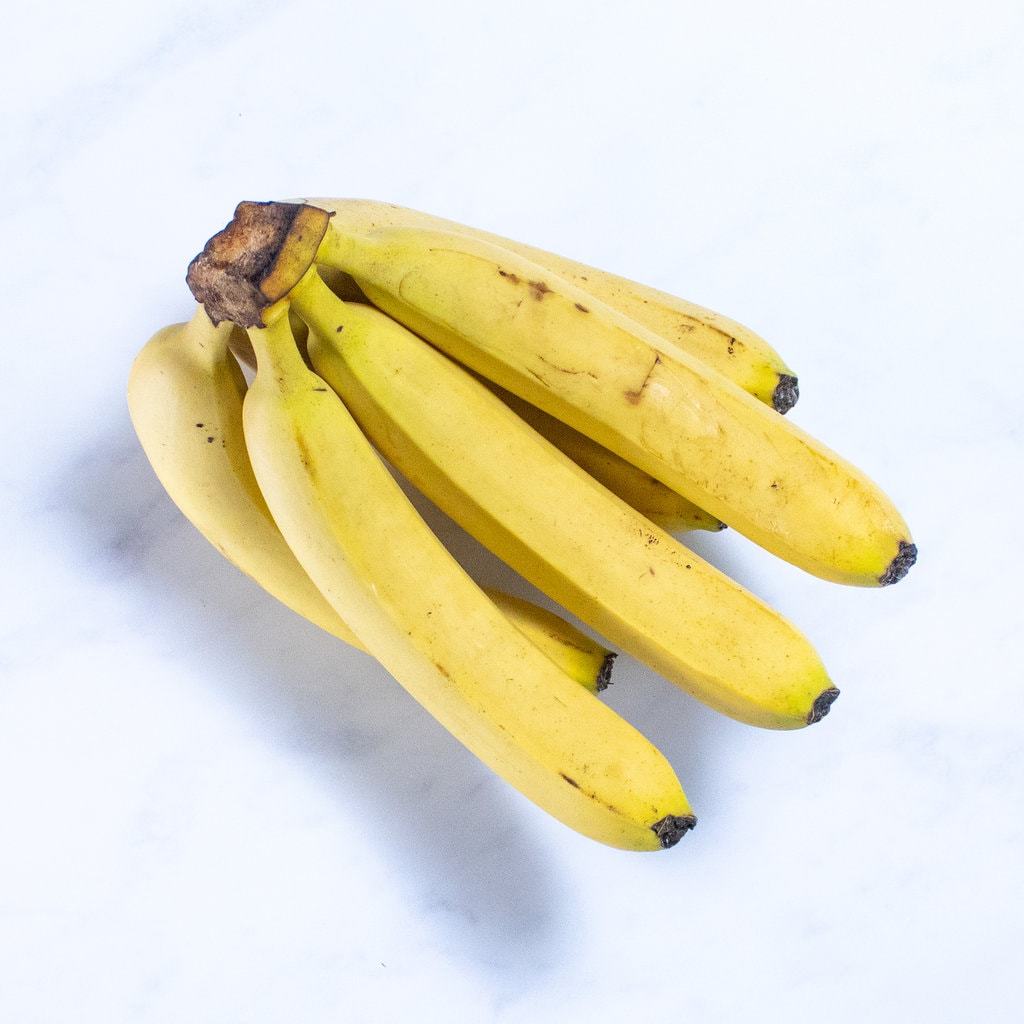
(573, 422)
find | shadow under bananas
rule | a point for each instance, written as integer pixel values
(449, 831)
(452, 831)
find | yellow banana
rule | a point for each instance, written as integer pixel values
(416, 610)
(729, 347)
(185, 395)
(573, 539)
(585, 363)
(578, 655)
(669, 509)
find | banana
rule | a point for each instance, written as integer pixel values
(388, 576)
(669, 509)
(185, 393)
(577, 654)
(729, 347)
(654, 499)
(610, 378)
(554, 524)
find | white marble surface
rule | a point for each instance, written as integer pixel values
(213, 813)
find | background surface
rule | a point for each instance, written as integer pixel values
(212, 812)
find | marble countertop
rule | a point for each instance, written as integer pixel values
(214, 812)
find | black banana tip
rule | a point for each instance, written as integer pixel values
(822, 705)
(672, 828)
(906, 556)
(786, 392)
(604, 676)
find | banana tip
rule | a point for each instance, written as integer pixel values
(786, 393)
(604, 676)
(822, 705)
(672, 828)
(906, 556)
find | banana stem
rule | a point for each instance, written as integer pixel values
(256, 260)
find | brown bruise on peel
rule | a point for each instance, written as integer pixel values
(305, 457)
(633, 397)
(538, 289)
(561, 369)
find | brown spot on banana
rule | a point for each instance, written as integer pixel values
(538, 289)
(305, 457)
(633, 397)
(563, 369)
